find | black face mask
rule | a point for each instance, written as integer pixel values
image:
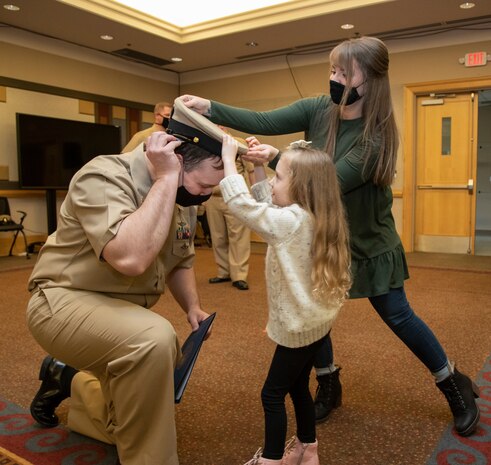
(185, 199)
(337, 91)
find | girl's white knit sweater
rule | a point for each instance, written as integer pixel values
(296, 318)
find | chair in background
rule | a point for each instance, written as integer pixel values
(8, 224)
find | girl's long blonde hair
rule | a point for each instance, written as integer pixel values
(380, 129)
(314, 186)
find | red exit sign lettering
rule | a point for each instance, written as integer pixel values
(476, 59)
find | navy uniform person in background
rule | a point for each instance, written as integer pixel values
(230, 238)
(161, 114)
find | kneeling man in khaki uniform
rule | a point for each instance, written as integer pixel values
(125, 232)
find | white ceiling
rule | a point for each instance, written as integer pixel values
(295, 28)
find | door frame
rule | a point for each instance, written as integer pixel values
(411, 92)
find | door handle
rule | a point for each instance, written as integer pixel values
(468, 187)
(446, 186)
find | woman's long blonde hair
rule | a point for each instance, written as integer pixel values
(314, 186)
(380, 129)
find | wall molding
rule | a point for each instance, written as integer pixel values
(70, 93)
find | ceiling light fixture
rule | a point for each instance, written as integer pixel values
(252, 44)
(188, 12)
(176, 59)
(347, 26)
(106, 37)
(11, 7)
(467, 5)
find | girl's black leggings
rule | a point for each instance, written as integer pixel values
(288, 374)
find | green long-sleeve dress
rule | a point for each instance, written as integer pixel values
(378, 260)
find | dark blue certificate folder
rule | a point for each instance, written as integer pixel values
(190, 350)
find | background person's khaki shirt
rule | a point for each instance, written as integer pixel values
(141, 137)
(101, 195)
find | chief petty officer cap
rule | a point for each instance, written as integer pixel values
(190, 126)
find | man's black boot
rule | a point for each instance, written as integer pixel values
(328, 395)
(461, 393)
(56, 378)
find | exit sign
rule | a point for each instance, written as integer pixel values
(475, 59)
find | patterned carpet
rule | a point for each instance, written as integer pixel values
(392, 413)
(54, 446)
(22, 439)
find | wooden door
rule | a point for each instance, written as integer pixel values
(445, 167)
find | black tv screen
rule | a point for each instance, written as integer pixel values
(51, 150)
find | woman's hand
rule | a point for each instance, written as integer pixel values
(198, 104)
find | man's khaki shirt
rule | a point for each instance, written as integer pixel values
(101, 195)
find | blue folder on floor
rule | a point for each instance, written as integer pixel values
(190, 350)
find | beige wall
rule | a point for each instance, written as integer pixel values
(30, 65)
(39, 67)
(250, 88)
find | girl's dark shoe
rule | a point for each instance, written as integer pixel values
(461, 393)
(51, 393)
(328, 395)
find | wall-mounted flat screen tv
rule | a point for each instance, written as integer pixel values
(51, 150)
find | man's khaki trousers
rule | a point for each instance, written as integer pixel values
(230, 239)
(125, 393)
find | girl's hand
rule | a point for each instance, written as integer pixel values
(259, 153)
(252, 141)
(229, 148)
(198, 104)
(229, 154)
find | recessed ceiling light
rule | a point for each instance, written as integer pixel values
(106, 37)
(347, 26)
(252, 44)
(11, 7)
(176, 59)
(467, 5)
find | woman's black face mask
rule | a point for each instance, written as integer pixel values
(185, 199)
(337, 91)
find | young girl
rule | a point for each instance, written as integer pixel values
(300, 215)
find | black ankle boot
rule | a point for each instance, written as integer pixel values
(328, 395)
(55, 387)
(461, 392)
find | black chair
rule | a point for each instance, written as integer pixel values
(8, 224)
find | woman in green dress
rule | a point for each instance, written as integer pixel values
(356, 125)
